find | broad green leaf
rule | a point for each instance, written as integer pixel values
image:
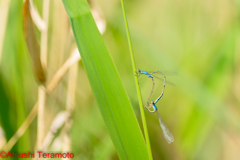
(107, 87)
(13, 72)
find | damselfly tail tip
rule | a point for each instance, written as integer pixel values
(167, 134)
(169, 138)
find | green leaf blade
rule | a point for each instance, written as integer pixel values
(107, 87)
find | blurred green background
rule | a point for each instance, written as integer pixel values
(198, 39)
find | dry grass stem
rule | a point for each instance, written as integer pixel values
(44, 34)
(57, 124)
(56, 78)
(42, 95)
(38, 21)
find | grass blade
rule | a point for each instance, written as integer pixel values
(108, 90)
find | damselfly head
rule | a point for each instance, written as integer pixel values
(138, 72)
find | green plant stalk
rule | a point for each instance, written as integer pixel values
(137, 86)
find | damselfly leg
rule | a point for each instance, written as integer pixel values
(147, 104)
(140, 72)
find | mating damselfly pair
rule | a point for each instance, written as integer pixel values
(167, 134)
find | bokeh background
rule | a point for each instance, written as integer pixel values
(198, 39)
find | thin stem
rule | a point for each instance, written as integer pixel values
(41, 120)
(137, 86)
(58, 122)
(44, 34)
(38, 21)
(59, 74)
(41, 90)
